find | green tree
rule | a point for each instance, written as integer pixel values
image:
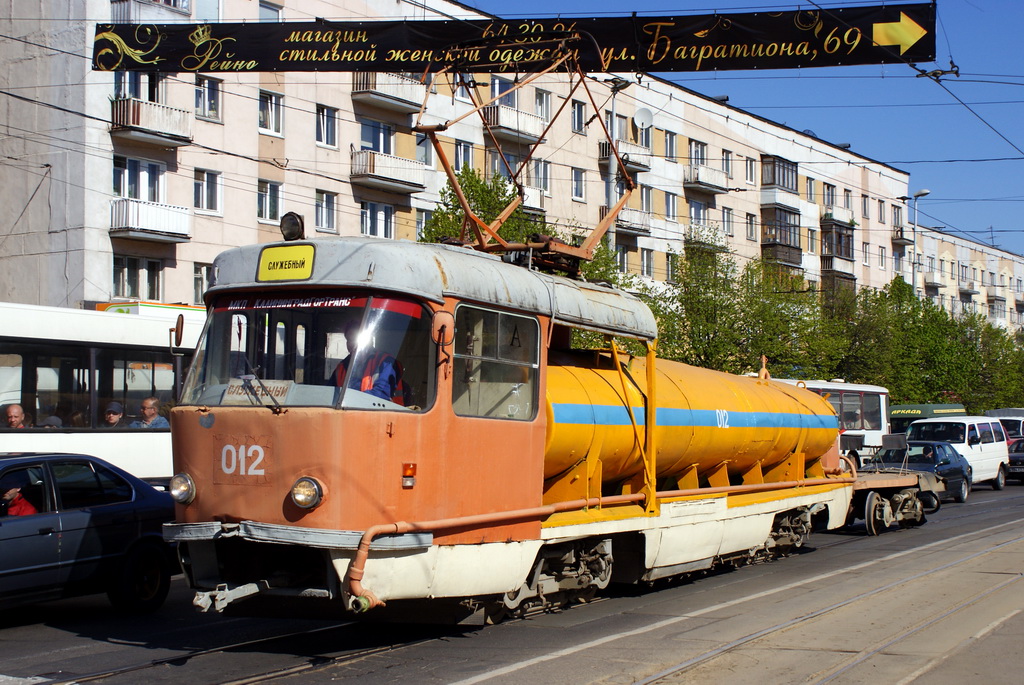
(487, 199)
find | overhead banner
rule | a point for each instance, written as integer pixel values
(718, 42)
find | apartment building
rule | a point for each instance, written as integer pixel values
(125, 186)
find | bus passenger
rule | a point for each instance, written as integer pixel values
(113, 417)
(15, 416)
(51, 422)
(150, 415)
(380, 375)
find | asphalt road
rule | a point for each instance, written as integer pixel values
(943, 603)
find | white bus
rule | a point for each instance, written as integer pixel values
(863, 412)
(71, 363)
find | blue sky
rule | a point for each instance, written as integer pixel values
(962, 138)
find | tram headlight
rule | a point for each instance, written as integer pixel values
(307, 493)
(182, 488)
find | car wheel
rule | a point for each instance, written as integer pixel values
(965, 489)
(142, 583)
(930, 501)
(999, 482)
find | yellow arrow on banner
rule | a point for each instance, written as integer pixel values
(903, 33)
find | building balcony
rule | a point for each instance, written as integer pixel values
(513, 124)
(782, 253)
(1018, 296)
(969, 287)
(933, 279)
(634, 157)
(148, 122)
(838, 265)
(149, 11)
(705, 178)
(778, 197)
(374, 169)
(902, 235)
(629, 220)
(534, 200)
(705, 237)
(389, 91)
(837, 215)
(994, 292)
(150, 221)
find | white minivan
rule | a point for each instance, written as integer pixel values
(980, 439)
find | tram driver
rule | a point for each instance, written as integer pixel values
(376, 372)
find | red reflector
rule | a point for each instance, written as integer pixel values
(408, 470)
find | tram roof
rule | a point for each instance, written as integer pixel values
(433, 272)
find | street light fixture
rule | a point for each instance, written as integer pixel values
(913, 269)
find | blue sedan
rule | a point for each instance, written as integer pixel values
(940, 458)
(74, 525)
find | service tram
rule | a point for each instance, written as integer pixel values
(513, 470)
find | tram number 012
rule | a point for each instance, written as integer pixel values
(242, 460)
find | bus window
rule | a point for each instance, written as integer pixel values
(852, 415)
(872, 411)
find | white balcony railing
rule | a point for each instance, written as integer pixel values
(145, 11)
(130, 218)
(388, 172)
(634, 156)
(533, 198)
(514, 123)
(152, 121)
(841, 215)
(705, 178)
(391, 91)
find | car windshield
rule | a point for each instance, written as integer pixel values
(913, 454)
(353, 349)
(941, 431)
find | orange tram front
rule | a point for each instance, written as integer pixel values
(371, 423)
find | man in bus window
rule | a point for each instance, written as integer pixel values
(15, 416)
(150, 415)
(114, 416)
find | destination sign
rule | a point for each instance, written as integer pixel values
(717, 42)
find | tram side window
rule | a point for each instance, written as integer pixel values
(496, 364)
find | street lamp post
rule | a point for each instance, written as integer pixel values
(913, 268)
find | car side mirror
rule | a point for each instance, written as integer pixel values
(944, 461)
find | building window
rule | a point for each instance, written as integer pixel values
(897, 215)
(779, 172)
(542, 104)
(502, 89)
(671, 206)
(727, 222)
(462, 87)
(463, 155)
(325, 211)
(781, 226)
(201, 274)
(647, 262)
(881, 211)
(271, 113)
(751, 227)
(207, 11)
(138, 179)
(136, 278)
(812, 240)
(206, 194)
(809, 185)
(671, 152)
(865, 248)
(422, 217)
(616, 126)
(881, 257)
(643, 137)
(671, 267)
(578, 184)
(138, 85)
(376, 219)
(579, 116)
(828, 194)
(751, 170)
(698, 153)
(621, 258)
(542, 175)
(865, 207)
(268, 199)
(647, 198)
(327, 125)
(727, 162)
(269, 12)
(847, 198)
(698, 213)
(424, 150)
(208, 98)
(376, 136)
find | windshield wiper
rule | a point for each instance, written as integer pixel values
(247, 380)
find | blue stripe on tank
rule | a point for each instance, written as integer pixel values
(616, 415)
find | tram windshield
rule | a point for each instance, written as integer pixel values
(350, 350)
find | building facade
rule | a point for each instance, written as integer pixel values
(125, 186)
